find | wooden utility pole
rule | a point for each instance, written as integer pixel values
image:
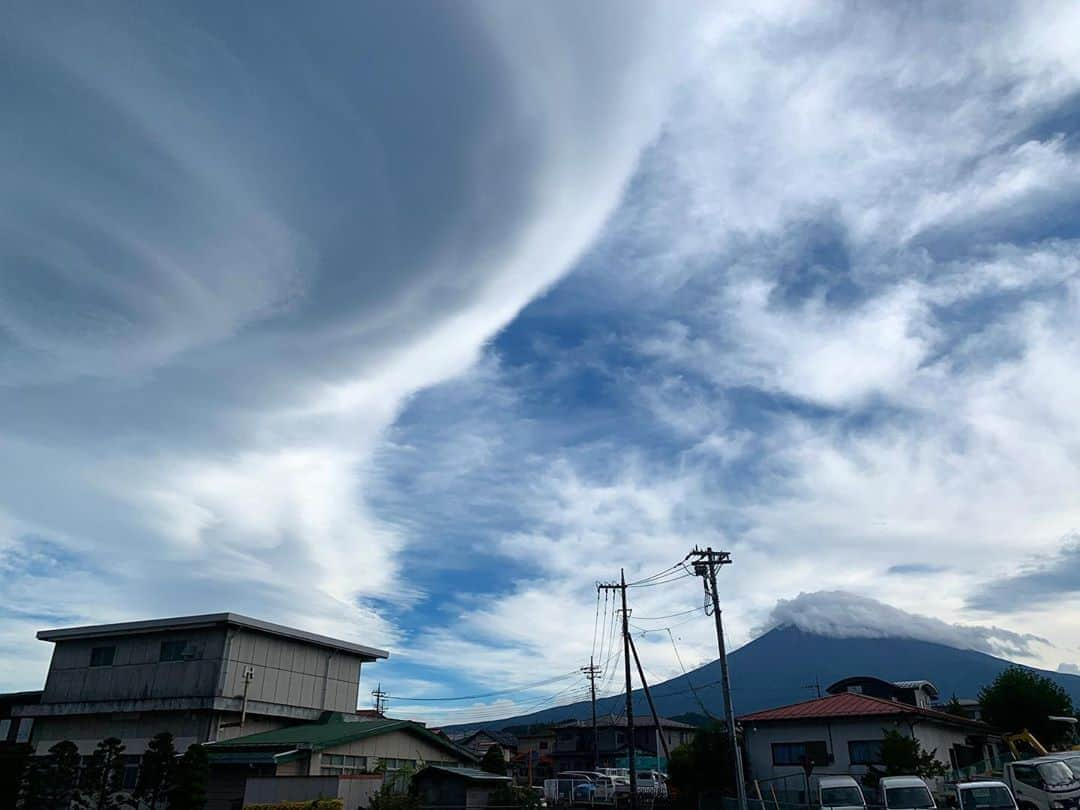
(591, 671)
(631, 742)
(705, 565)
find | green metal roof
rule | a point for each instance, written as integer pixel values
(471, 774)
(335, 728)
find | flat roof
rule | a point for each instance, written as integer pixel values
(207, 620)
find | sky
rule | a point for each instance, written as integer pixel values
(410, 323)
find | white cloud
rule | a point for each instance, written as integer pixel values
(845, 615)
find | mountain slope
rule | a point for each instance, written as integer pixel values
(782, 666)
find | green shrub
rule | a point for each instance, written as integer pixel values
(314, 804)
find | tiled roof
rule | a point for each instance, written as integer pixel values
(849, 704)
(335, 729)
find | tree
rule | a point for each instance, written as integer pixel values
(104, 777)
(701, 767)
(904, 756)
(1021, 699)
(954, 708)
(190, 779)
(511, 796)
(49, 782)
(156, 769)
(494, 761)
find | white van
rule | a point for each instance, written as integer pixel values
(984, 795)
(906, 793)
(1043, 783)
(840, 793)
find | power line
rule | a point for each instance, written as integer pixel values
(698, 609)
(524, 688)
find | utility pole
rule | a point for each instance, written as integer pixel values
(591, 671)
(705, 564)
(380, 700)
(631, 742)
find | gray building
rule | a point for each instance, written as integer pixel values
(202, 678)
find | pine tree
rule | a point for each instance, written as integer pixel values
(189, 782)
(49, 782)
(104, 777)
(156, 770)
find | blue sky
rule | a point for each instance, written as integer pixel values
(409, 325)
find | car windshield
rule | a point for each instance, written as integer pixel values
(908, 797)
(1074, 766)
(841, 797)
(1056, 774)
(985, 798)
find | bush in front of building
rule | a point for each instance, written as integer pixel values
(314, 804)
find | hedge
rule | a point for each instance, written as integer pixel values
(314, 804)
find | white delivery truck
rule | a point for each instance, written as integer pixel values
(840, 793)
(1043, 783)
(906, 793)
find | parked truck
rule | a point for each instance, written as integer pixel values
(1043, 783)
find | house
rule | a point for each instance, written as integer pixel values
(842, 732)
(202, 678)
(533, 764)
(480, 741)
(916, 693)
(14, 739)
(459, 788)
(342, 754)
(573, 749)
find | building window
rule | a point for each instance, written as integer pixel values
(865, 752)
(343, 764)
(26, 725)
(131, 772)
(5, 729)
(102, 656)
(792, 753)
(172, 650)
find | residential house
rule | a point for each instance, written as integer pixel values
(533, 764)
(202, 678)
(458, 788)
(479, 742)
(916, 693)
(841, 734)
(343, 755)
(573, 749)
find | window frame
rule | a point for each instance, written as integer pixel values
(179, 645)
(851, 752)
(107, 651)
(796, 759)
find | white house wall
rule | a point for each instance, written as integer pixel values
(836, 735)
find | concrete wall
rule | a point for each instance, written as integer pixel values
(135, 729)
(136, 672)
(356, 792)
(289, 672)
(836, 735)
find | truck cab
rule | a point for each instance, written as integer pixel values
(1043, 783)
(906, 793)
(840, 793)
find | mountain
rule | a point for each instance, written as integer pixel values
(783, 665)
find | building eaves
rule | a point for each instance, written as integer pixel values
(209, 620)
